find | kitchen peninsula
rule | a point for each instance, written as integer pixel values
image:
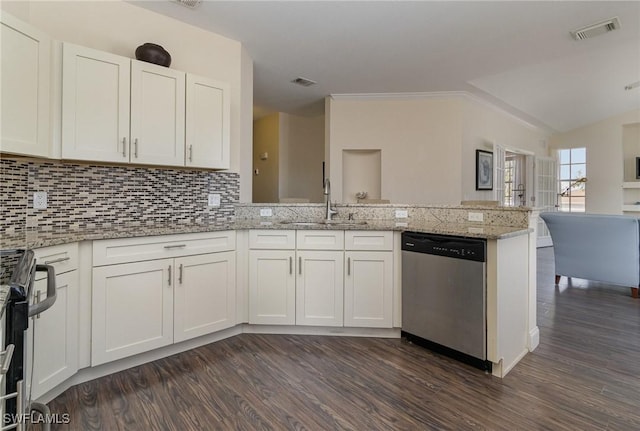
(290, 243)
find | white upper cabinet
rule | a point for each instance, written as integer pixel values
(25, 71)
(95, 105)
(115, 109)
(207, 128)
(157, 114)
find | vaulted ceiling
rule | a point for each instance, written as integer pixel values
(518, 55)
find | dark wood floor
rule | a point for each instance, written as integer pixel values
(585, 375)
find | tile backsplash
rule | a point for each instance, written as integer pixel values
(94, 196)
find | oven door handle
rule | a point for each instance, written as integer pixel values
(51, 291)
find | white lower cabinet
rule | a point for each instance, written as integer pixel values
(368, 289)
(272, 287)
(319, 288)
(52, 337)
(321, 278)
(204, 295)
(141, 306)
(132, 308)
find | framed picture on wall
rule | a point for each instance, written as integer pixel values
(484, 170)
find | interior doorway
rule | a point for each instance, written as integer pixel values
(515, 179)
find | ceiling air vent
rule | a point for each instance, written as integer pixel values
(191, 4)
(303, 81)
(596, 29)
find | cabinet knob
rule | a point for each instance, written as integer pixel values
(124, 147)
(191, 153)
(169, 275)
(135, 148)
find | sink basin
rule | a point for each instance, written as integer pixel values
(325, 223)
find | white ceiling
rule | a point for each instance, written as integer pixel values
(518, 55)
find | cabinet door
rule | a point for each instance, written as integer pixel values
(25, 88)
(368, 289)
(272, 289)
(157, 114)
(207, 128)
(319, 288)
(132, 309)
(95, 105)
(55, 332)
(204, 294)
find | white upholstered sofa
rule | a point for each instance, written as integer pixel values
(596, 247)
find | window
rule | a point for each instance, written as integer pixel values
(572, 179)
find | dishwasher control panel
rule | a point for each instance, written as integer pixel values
(445, 245)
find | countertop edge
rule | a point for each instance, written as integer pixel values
(40, 239)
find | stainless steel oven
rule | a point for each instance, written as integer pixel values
(17, 276)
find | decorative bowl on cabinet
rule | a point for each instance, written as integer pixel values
(153, 53)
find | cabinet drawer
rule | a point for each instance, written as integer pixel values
(266, 239)
(320, 239)
(63, 258)
(114, 251)
(368, 240)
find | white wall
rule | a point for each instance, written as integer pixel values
(484, 125)
(266, 139)
(428, 142)
(603, 141)
(420, 140)
(119, 27)
(301, 156)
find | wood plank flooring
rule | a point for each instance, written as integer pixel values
(585, 375)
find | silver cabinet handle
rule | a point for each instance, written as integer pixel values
(124, 147)
(348, 266)
(191, 153)
(180, 274)
(6, 360)
(300, 265)
(135, 148)
(168, 247)
(169, 275)
(290, 265)
(62, 259)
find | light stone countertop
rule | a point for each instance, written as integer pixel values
(38, 239)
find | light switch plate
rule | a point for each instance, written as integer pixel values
(40, 200)
(402, 214)
(266, 212)
(476, 216)
(214, 200)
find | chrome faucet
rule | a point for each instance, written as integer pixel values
(327, 196)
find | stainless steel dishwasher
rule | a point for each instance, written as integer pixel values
(444, 295)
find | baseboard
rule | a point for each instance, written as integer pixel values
(534, 339)
(322, 330)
